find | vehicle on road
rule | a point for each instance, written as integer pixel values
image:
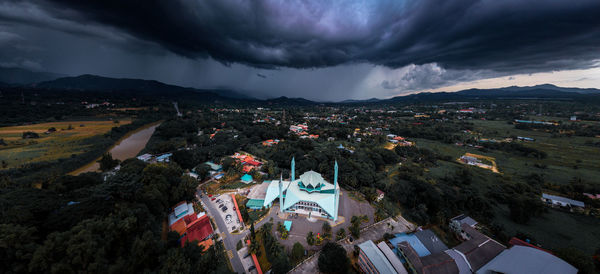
(247, 255)
(212, 199)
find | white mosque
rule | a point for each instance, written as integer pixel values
(309, 195)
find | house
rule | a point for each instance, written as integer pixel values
(192, 174)
(457, 222)
(197, 229)
(524, 259)
(592, 196)
(164, 158)
(214, 167)
(270, 142)
(145, 157)
(246, 179)
(372, 260)
(380, 195)
(528, 139)
(561, 201)
(424, 254)
(189, 225)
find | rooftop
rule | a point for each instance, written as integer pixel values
(522, 259)
(431, 241)
(464, 219)
(563, 200)
(376, 257)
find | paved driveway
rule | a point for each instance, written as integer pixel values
(229, 240)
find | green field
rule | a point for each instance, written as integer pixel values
(568, 157)
(63, 143)
(557, 229)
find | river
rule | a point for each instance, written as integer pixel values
(126, 148)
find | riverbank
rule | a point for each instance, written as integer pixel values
(127, 147)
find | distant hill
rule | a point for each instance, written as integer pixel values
(545, 92)
(98, 83)
(285, 101)
(19, 76)
(351, 101)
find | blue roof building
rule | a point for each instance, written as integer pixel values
(246, 179)
(309, 194)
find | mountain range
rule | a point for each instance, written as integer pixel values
(87, 82)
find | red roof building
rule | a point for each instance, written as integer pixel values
(197, 230)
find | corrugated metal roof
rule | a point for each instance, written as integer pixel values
(392, 258)
(563, 200)
(376, 257)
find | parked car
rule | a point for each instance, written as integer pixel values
(212, 199)
(251, 268)
(247, 255)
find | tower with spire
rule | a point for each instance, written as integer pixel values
(281, 193)
(336, 190)
(293, 169)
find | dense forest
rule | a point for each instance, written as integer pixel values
(82, 224)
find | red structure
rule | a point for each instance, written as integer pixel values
(198, 229)
(517, 241)
(237, 209)
(255, 260)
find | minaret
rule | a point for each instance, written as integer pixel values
(336, 191)
(281, 193)
(293, 169)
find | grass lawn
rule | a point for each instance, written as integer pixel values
(556, 229)
(60, 144)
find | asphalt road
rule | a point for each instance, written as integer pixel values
(229, 240)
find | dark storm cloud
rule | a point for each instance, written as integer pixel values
(510, 35)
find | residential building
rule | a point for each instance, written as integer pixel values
(457, 222)
(380, 195)
(425, 255)
(561, 201)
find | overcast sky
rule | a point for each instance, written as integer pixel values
(319, 50)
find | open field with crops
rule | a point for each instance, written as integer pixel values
(69, 138)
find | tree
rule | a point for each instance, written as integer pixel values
(297, 251)
(281, 264)
(577, 258)
(107, 162)
(310, 238)
(326, 230)
(341, 234)
(333, 259)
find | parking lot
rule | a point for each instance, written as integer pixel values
(227, 212)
